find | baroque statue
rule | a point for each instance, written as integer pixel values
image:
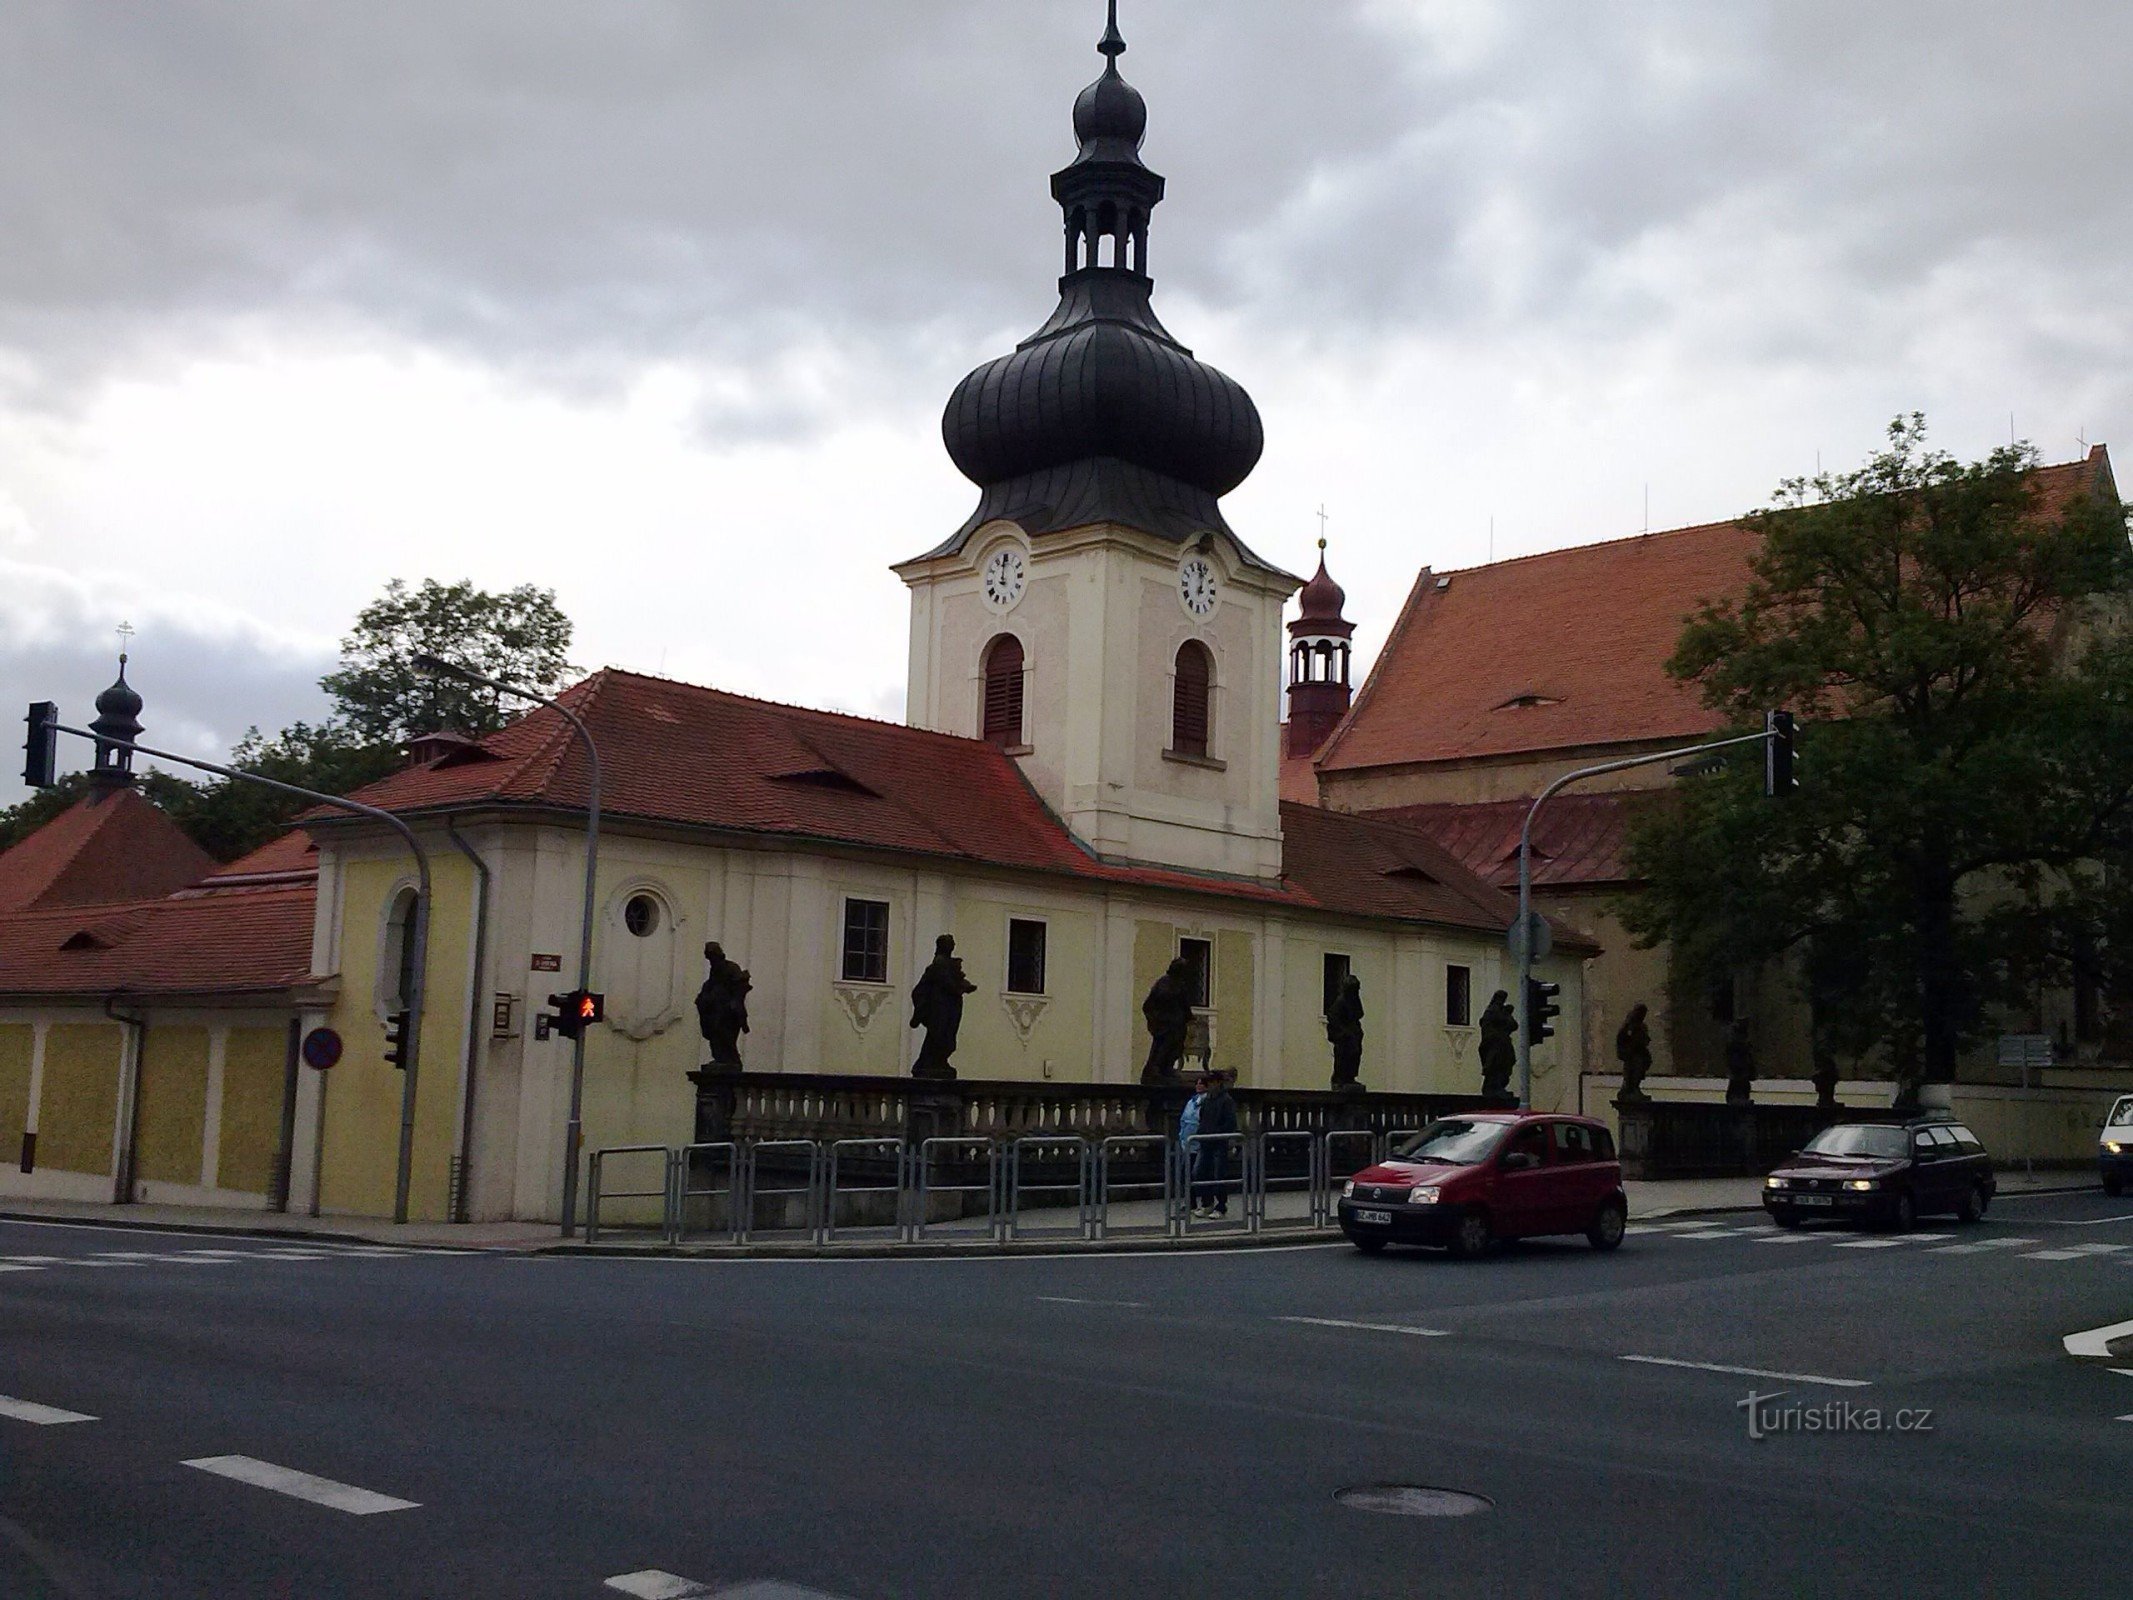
(1168, 1010)
(722, 1009)
(937, 1006)
(1740, 1065)
(1499, 1045)
(1344, 1031)
(1633, 1049)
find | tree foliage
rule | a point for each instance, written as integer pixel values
(380, 700)
(1955, 649)
(520, 636)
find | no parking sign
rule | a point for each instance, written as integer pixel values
(321, 1048)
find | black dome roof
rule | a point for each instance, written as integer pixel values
(1100, 415)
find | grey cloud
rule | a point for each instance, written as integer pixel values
(203, 679)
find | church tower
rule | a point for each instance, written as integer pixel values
(1095, 615)
(1321, 640)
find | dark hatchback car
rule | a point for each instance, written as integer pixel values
(1467, 1182)
(1891, 1172)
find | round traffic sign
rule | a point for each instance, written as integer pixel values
(1534, 929)
(321, 1048)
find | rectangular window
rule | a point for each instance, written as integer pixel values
(866, 941)
(1337, 969)
(1025, 956)
(1458, 997)
(1199, 957)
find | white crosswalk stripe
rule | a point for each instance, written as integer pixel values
(2006, 1242)
(107, 1259)
(302, 1485)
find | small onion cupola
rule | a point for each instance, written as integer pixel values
(118, 716)
(1319, 659)
(1100, 415)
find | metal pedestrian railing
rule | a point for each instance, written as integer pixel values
(1037, 1186)
(1037, 1164)
(596, 1190)
(1164, 1185)
(688, 1160)
(949, 1150)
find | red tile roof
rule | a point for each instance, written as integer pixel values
(108, 846)
(228, 942)
(1577, 842)
(293, 855)
(681, 754)
(1564, 649)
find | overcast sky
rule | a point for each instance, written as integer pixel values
(657, 304)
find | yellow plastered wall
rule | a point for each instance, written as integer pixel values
(1234, 982)
(1064, 1031)
(254, 1079)
(171, 1120)
(17, 1040)
(362, 1098)
(78, 1107)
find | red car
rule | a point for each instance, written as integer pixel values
(1468, 1181)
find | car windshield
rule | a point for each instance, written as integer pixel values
(1455, 1143)
(2122, 1113)
(1859, 1139)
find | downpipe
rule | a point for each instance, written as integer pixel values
(475, 989)
(130, 1063)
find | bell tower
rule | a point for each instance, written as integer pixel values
(1095, 614)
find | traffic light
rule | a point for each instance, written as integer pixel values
(42, 747)
(1541, 1010)
(396, 1040)
(1779, 731)
(576, 1011)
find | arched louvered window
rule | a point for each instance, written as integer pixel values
(1192, 689)
(1003, 691)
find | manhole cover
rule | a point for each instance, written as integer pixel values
(1411, 1500)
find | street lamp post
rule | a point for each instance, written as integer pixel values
(573, 1132)
(1522, 930)
(418, 932)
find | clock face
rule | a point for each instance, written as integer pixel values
(1197, 586)
(1006, 575)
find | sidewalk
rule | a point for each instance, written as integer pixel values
(1135, 1223)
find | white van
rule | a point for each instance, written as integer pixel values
(2114, 1146)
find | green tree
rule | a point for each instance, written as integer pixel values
(1954, 647)
(521, 636)
(229, 818)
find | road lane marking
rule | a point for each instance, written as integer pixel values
(295, 1255)
(1712, 1233)
(1790, 1238)
(1072, 1300)
(2053, 1255)
(1751, 1372)
(2095, 1249)
(16, 1267)
(301, 1485)
(652, 1584)
(1870, 1244)
(1369, 1327)
(2087, 1222)
(36, 1261)
(2007, 1242)
(43, 1416)
(2096, 1341)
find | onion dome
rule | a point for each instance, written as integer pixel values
(1324, 602)
(118, 716)
(1101, 415)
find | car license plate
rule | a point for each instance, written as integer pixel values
(1811, 1200)
(1382, 1218)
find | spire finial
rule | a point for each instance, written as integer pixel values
(1114, 44)
(125, 633)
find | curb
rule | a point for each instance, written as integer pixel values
(218, 1230)
(938, 1249)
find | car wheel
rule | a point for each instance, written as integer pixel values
(2113, 1185)
(1606, 1230)
(1905, 1215)
(1475, 1236)
(1785, 1219)
(1367, 1245)
(1974, 1203)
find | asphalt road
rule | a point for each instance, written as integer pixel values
(1127, 1425)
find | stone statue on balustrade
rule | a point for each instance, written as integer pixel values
(1344, 1031)
(722, 1010)
(1499, 1046)
(1633, 1049)
(1740, 1065)
(1168, 1011)
(937, 1006)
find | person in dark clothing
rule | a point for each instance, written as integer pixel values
(1210, 1165)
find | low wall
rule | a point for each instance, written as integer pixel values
(2053, 1126)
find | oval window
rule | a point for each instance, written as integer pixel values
(641, 915)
